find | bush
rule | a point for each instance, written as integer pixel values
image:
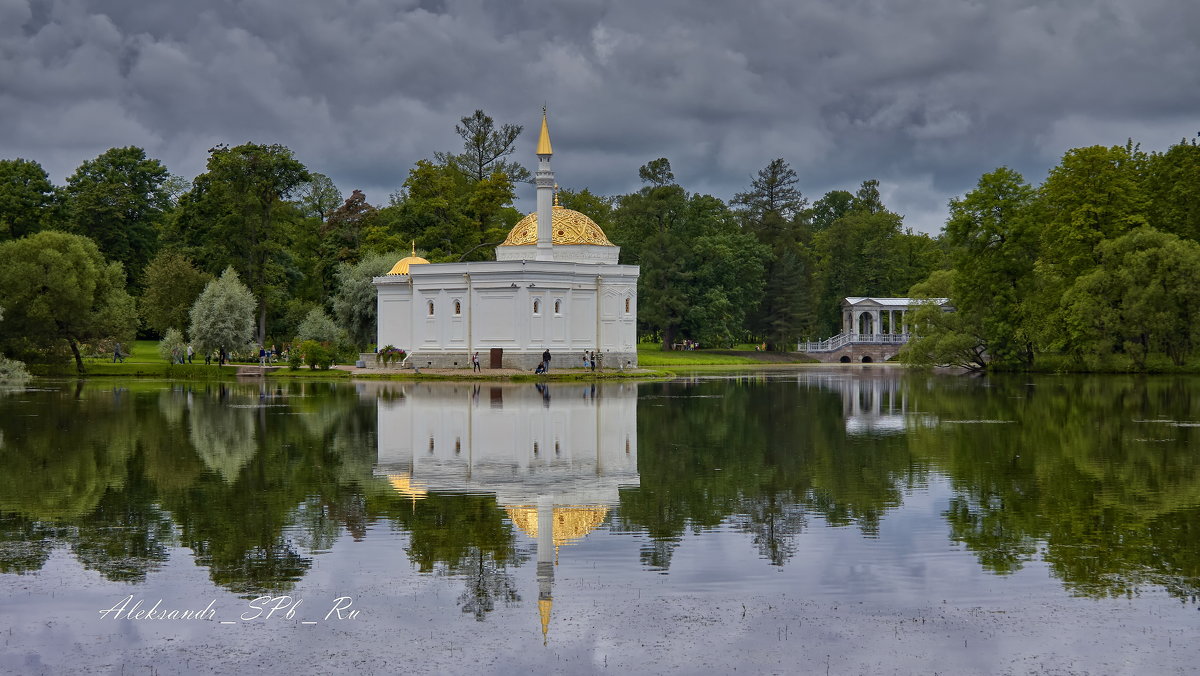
(12, 371)
(295, 360)
(318, 327)
(316, 355)
(171, 347)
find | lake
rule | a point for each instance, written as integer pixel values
(793, 520)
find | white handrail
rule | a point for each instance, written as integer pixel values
(843, 339)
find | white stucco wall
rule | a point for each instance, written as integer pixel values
(496, 310)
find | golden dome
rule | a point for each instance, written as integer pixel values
(570, 523)
(401, 266)
(570, 227)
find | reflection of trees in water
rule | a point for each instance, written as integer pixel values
(455, 534)
(223, 434)
(764, 455)
(1110, 503)
(127, 535)
(62, 458)
(111, 472)
(485, 582)
(773, 521)
(1086, 479)
(25, 544)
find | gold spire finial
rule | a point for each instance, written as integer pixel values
(555, 194)
(543, 146)
(414, 247)
(544, 606)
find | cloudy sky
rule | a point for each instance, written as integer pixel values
(924, 95)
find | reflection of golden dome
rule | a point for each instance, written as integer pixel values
(570, 227)
(404, 485)
(570, 523)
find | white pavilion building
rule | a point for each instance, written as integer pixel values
(555, 285)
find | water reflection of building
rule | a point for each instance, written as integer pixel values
(874, 402)
(555, 456)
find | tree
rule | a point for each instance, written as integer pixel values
(318, 197)
(26, 198)
(223, 316)
(319, 327)
(57, 287)
(237, 215)
(701, 274)
(355, 299)
(774, 211)
(657, 173)
(172, 286)
(448, 216)
(867, 198)
(484, 150)
(1171, 180)
(773, 192)
(118, 199)
(1093, 194)
(942, 338)
(832, 206)
(1143, 297)
(993, 246)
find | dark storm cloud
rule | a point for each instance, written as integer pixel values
(922, 95)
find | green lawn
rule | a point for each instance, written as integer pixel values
(652, 354)
(143, 360)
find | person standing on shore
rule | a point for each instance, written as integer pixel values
(546, 359)
(117, 357)
(190, 352)
(475, 363)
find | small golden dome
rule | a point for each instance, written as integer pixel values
(570, 227)
(401, 266)
(570, 523)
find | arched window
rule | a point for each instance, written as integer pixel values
(430, 308)
(457, 308)
(557, 306)
(537, 306)
(627, 305)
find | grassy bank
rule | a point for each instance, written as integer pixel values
(143, 361)
(652, 354)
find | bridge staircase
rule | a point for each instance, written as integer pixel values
(856, 348)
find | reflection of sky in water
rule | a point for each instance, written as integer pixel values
(903, 599)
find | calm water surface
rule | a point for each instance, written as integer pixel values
(836, 521)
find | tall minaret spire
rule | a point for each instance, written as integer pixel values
(544, 179)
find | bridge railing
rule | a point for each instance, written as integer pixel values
(843, 339)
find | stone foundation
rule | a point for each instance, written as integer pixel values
(519, 361)
(857, 353)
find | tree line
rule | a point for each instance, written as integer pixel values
(126, 248)
(1098, 268)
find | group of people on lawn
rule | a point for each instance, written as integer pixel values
(186, 355)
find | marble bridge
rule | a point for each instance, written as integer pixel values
(873, 330)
